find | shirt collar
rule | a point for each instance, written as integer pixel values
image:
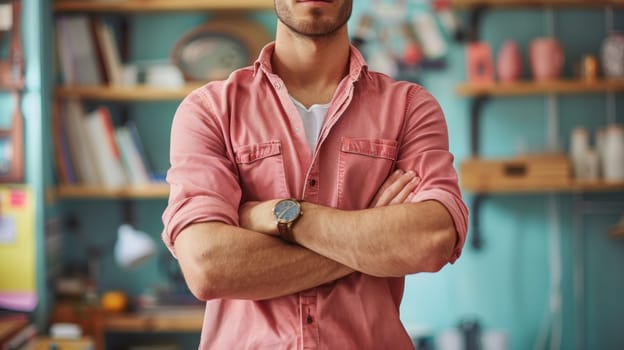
(357, 64)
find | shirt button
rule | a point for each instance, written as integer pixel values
(297, 130)
(312, 182)
(309, 319)
(278, 85)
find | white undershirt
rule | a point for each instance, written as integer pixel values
(312, 118)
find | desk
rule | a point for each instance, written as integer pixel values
(166, 319)
(97, 323)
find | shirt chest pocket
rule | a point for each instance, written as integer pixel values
(261, 171)
(363, 166)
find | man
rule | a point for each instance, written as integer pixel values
(304, 189)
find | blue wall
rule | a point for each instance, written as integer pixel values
(506, 284)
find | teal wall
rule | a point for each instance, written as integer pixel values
(506, 284)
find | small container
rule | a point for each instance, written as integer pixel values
(579, 146)
(614, 153)
(592, 165)
(600, 149)
(589, 68)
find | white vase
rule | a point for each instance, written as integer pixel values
(613, 56)
(614, 153)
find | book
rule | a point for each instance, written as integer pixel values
(106, 154)
(135, 168)
(63, 159)
(64, 52)
(16, 331)
(79, 59)
(109, 50)
(80, 149)
(136, 138)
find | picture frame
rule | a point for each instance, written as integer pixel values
(215, 49)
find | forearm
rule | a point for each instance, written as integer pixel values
(223, 261)
(387, 241)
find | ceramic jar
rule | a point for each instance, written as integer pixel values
(546, 57)
(613, 165)
(509, 62)
(613, 56)
(579, 147)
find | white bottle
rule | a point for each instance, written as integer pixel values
(600, 149)
(614, 153)
(579, 147)
(433, 44)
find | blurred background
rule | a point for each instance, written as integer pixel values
(531, 91)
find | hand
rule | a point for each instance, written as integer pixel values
(258, 217)
(397, 189)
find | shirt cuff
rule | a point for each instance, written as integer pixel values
(456, 208)
(195, 210)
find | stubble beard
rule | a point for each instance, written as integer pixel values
(317, 28)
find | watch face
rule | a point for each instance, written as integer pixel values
(287, 211)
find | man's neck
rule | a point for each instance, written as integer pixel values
(311, 68)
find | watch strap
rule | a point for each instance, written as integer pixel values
(286, 232)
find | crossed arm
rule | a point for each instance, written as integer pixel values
(392, 238)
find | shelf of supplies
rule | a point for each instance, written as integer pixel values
(522, 88)
(128, 94)
(171, 320)
(159, 5)
(573, 186)
(86, 192)
(535, 3)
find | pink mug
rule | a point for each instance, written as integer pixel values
(546, 58)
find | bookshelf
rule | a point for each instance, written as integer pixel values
(154, 191)
(127, 105)
(523, 88)
(125, 94)
(104, 90)
(571, 187)
(121, 6)
(535, 3)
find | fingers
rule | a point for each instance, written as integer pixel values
(396, 189)
(406, 190)
(389, 181)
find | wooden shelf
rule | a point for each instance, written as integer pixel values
(128, 94)
(535, 3)
(159, 5)
(575, 186)
(86, 192)
(522, 88)
(171, 320)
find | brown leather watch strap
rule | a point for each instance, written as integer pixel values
(286, 232)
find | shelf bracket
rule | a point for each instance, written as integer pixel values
(476, 238)
(472, 32)
(476, 107)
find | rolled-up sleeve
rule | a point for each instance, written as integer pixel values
(203, 180)
(425, 150)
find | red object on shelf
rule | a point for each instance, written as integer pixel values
(479, 62)
(547, 58)
(509, 62)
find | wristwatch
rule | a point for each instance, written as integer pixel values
(287, 212)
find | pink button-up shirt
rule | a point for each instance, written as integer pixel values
(242, 140)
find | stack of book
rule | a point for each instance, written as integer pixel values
(91, 151)
(88, 51)
(16, 332)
